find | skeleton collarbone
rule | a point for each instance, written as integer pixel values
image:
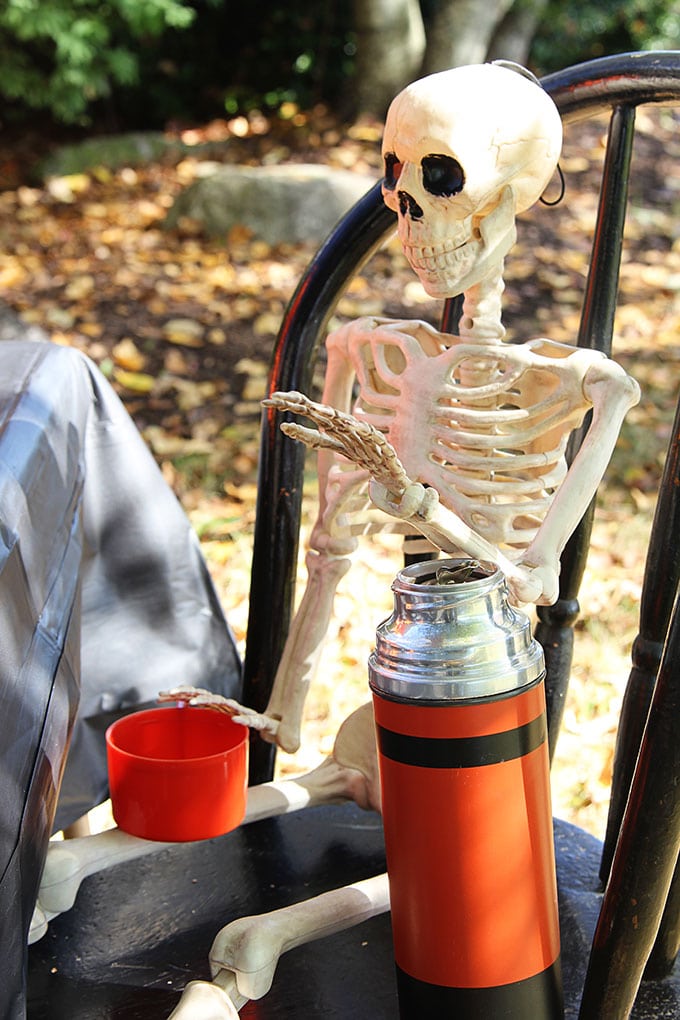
(485, 424)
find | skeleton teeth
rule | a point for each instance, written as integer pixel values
(427, 251)
(431, 259)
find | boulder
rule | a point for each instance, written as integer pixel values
(110, 151)
(284, 203)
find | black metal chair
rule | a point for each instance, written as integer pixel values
(620, 908)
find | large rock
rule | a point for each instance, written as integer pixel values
(284, 203)
(110, 151)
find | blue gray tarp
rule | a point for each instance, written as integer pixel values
(105, 600)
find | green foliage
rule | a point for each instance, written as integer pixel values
(62, 55)
(572, 31)
(140, 63)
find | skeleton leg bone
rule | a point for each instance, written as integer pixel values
(245, 953)
(217, 1000)
(250, 947)
(350, 773)
(206, 1000)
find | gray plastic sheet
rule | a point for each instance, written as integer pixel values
(105, 599)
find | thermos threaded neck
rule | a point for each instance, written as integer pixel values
(453, 636)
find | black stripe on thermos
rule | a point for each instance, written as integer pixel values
(521, 1000)
(462, 752)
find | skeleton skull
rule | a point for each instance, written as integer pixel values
(465, 150)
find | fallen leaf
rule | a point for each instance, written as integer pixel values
(266, 324)
(67, 189)
(137, 382)
(176, 363)
(79, 287)
(128, 356)
(187, 332)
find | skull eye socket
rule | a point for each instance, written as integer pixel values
(443, 176)
(393, 168)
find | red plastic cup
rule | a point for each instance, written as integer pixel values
(177, 774)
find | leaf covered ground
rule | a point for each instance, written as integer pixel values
(184, 327)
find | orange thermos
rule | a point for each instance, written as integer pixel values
(459, 704)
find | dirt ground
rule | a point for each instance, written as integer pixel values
(184, 329)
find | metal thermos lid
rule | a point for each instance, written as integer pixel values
(453, 635)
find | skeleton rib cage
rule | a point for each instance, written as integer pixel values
(487, 427)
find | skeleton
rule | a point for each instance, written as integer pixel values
(480, 424)
(460, 439)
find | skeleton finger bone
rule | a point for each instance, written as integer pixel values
(359, 441)
(241, 714)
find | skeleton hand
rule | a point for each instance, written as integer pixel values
(342, 433)
(241, 714)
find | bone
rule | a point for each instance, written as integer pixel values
(198, 696)
(303, 647)
(71, 861)
(245, 953)
(397, 495)
(451, 534)
(351, 773)
(343, 433)
(205, 1000)
(248, 950)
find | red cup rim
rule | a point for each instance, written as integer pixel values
(153, 711)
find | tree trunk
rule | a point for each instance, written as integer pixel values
(514, 35)
(390, 46)
(460, 31)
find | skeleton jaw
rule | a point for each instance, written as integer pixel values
(452, 265)
(440, 267)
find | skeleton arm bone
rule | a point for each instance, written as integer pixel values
(303, 648)
(446, 530)
(612, 393)
(281, 721)
(329, 557)
(393, 491)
